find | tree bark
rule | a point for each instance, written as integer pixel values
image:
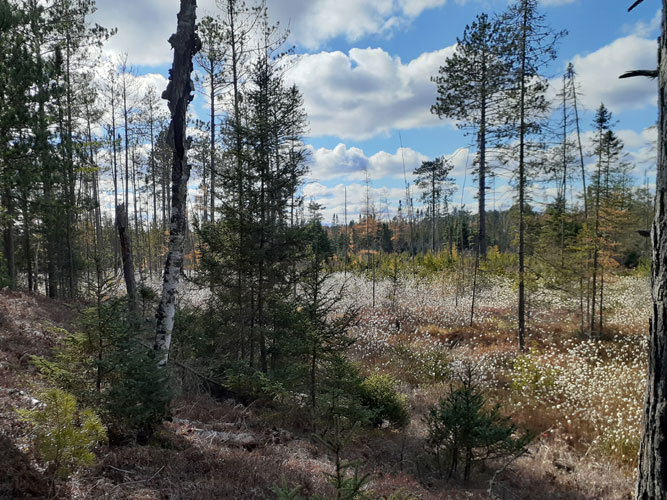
(128, 264)
(481, 173)
(212, 147)
(185, 43)
(522, 186)
(9, 238)
(652, 481)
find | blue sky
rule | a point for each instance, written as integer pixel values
(364, 67)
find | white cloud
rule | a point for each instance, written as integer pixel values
(313, 22)
(143, 29)
(352, 163)
(598, 72)
(367, 92)
(144, 26)
(641, 148)
(645, 29)
(333, 199)
(633, 139)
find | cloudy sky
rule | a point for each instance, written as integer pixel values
(364, 68)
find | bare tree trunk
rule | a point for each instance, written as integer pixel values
(26, 240)
(9, 238)
(652, 478)
(128, 264)
(522, 188)
(481, 172)
(581, 149)
(185, 43)
(212, 147)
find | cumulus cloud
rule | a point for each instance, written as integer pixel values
(641, 148)
(597, 75)
(144, 26)
(313, 22)
(349, 164)
(143, 29)
(138, 86)
(384, 199)
(367, 92)
(353, 164)
(645, 29)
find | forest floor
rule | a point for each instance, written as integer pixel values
(582, 397)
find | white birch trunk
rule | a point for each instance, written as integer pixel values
(185, 43)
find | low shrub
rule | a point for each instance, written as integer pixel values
(253, 386)
(464, 429)
(106, 367)
(64, 435)
(378, 393)
(530, 375)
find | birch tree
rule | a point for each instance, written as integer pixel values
(186, 44)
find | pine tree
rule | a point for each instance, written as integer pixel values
(211, 61)
(471, 87)
(431, 178)
(534, 46)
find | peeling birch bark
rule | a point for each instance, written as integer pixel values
(179, 94)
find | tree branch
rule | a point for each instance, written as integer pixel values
(650, 73)
(635, 5)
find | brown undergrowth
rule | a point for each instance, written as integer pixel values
(26, 328)
(215, 449)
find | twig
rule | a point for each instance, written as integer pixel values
(501, 470)
(120, 470)
(140, 480)
(224, 392)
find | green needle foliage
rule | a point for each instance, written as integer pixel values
(464, 429)
(64, 435)
(378, 393)
(108, 369)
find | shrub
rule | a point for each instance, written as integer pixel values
(137, 399)
(417, 365)
(378, 393)
(464, 428)
(108, 369)
(530, 376)
(254, 386)
(64, 436)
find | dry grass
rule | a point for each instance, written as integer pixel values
(26, 328)
(560, 472)
(196, 456)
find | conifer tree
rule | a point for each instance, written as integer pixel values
(471, 87)
(431, 178)
(211, 61)
(533, 45)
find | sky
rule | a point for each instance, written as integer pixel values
(365, 67)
